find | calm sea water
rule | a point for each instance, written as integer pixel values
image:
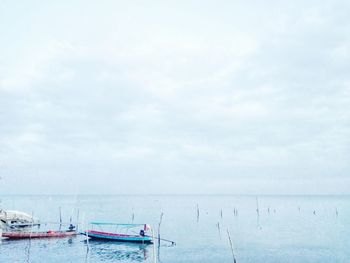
(286, 230)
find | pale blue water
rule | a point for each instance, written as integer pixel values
(284, 234)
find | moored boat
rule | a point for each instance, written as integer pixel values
(41, 234)
(120, 233)
(17, 219)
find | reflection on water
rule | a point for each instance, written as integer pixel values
(27, 250)
(110, 251)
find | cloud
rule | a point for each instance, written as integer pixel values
(225, 98)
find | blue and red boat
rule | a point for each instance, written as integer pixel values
(121, 232)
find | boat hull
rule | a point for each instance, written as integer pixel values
(48, 234)
(106, 236)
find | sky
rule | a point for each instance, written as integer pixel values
(175, 97)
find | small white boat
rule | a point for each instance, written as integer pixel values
(16, 219)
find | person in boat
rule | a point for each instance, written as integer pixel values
(142, 232)
(71, 227)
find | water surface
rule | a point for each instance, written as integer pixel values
(286, 229)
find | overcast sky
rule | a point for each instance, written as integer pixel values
(175, 97)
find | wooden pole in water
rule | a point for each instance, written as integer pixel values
(257, 213)
(77, 219)
(60, 218)
(30, 238)
(233, 254)
(160, 222)
(218, 226)
(197, 213)
(71, 217)
(86, 234)
(31, 226)
(257, 206)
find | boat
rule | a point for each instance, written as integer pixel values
(40, 234)
(16, 219)
(120, 232)
(25, 234)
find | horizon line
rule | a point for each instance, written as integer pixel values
(175, 194)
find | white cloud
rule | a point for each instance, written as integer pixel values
(231, 94)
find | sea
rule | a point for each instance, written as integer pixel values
(205, 228)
